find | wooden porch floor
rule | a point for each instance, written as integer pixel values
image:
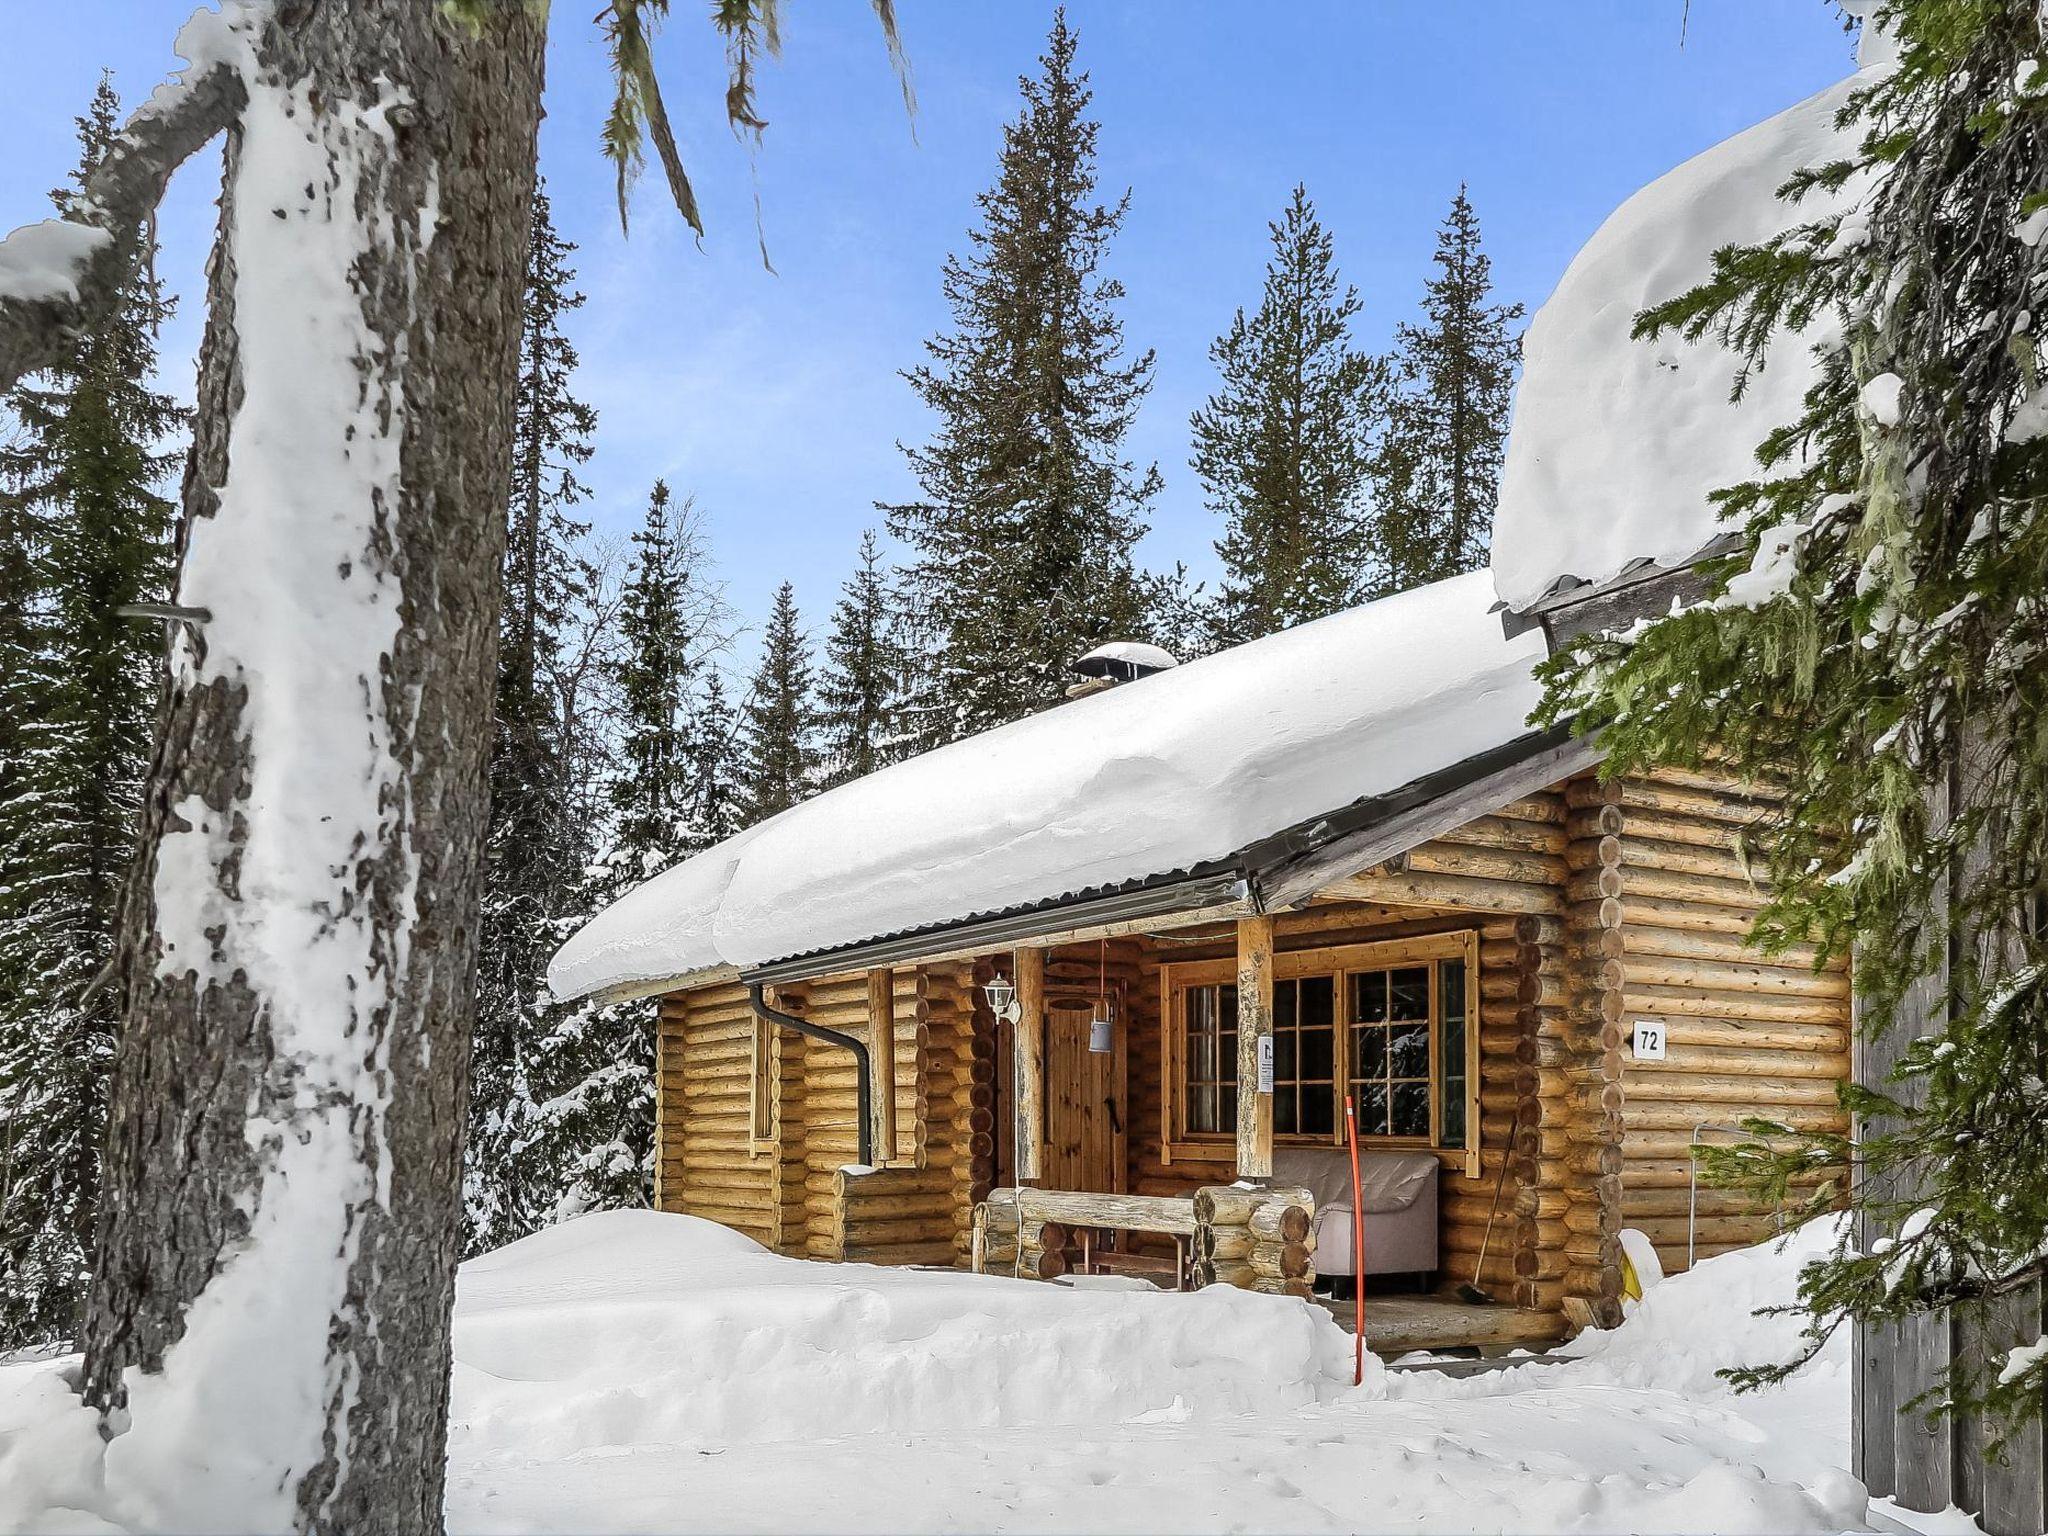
(1394, 1325)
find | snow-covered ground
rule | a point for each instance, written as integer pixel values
(640, 1372)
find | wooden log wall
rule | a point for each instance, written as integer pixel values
(1503, 873)
(1662, 898)
(704, 1166)
(1596, 908)
(796, 1198)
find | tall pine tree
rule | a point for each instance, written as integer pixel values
(537, 845)
(85, 530)
(781, 745)
(1439, 467)
(718, 788)
(1022, 540)
(1284, 449)
(860, 695)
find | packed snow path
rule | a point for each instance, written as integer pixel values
(641, 1372)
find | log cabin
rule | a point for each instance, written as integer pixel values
(1093, 991)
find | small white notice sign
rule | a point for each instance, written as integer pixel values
(1265, 1063)
(1648, 1040)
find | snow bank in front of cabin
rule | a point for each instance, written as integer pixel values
(639, 1372)
(1616, 443)
(1692, 1325)
(631, 1326)
(1147, 779)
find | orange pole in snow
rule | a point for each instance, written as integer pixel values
(1357, 1250)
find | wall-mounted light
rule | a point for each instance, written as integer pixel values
(1002, 998)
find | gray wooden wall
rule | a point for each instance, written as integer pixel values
(1931, 1466)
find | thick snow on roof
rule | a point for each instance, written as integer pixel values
(1617, 442)
(1147, 779)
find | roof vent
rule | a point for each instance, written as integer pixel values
(1120, 661)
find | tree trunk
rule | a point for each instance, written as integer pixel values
(279, 1238)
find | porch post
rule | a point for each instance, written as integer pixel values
(882, 1053)
(1028, 1046)
(1254, 1047)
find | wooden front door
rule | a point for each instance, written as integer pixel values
(1083, 1112)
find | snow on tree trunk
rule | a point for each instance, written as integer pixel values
(269, 1330)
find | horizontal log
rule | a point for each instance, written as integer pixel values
(1281, 1261)
(1466, 893)
(1278, 1222)
(1218, 1272)
(942, 1254)
(1445, 858)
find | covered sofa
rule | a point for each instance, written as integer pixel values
(1400, 1207)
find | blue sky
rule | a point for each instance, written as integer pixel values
(774, 399)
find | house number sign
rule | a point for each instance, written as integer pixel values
(1649, 1040)
(1265, 1063)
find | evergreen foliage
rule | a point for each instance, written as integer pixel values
(1284, 447)
(781, 730)
(536, 846)
(84, 532)
(1439, 465)
(717, 771)
(860, 694)
(1877, 647)
(1022, 541)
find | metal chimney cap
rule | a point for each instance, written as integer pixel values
(1124, 661)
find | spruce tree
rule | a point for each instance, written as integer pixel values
(861, 692)
(84, 533)
(1284, 449)
(718, 788)
(537, 846)
(780, 735)
(1881, 659)
(1022, 539)
(1439, 466)
(652, 799)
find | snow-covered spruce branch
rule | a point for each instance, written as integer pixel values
(61, 277)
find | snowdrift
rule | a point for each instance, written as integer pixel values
(631, 1326)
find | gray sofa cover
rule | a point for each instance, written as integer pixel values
(1400, 1207)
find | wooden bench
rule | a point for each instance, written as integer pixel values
(1025, 1231)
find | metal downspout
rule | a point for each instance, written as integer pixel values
(863, 1069)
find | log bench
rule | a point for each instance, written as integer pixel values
(1030, 1232)
(1256, 1238)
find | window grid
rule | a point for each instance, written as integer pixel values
(1209, 1059)
(1398, 1037)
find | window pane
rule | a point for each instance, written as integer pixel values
(1411, 992)
(1283, 1004)
(1318, 1001)
(1369, 997)
(1369, 1047)
(1450, 985)
(1454, 1112)
(1226, 1116)
(1318, 1109)
(1318, 1046)
(1409, 1052)
(1286, 1121)
(1411, 1109)
(1372, 1109)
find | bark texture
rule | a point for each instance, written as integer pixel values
(204, 1094)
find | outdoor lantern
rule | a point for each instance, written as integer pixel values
(1002, 998)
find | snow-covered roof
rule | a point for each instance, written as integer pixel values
(1159, 776)
(1129, 653)
(1616, 443)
